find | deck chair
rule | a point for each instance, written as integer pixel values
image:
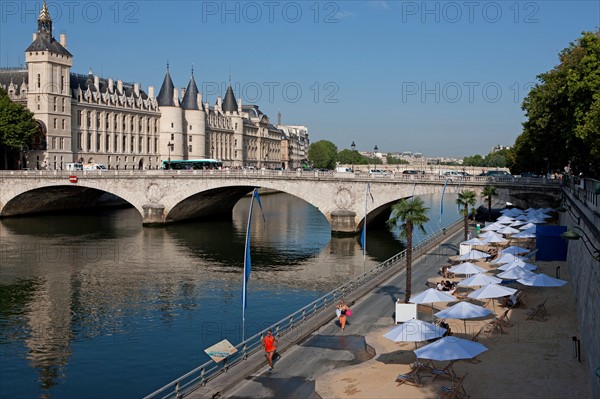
(503, 319)
(456, 391)
(447, 371)
(475, 338)
(494, 327)
(410, 378)
(539, 312)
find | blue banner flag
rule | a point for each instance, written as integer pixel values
(363, 235)
(247, 262)
(442, 201)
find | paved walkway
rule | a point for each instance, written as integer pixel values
(329, 348)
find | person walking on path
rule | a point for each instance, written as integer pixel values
(342, 309)
(270, 344)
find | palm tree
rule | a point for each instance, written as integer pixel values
(487, 193)
(466, 198)
(410, 214)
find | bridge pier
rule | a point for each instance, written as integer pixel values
(153, 214)
(343, 222)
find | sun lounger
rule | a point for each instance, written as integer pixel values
(475, 337)
(411, 378)
(539, 312)
(447, 371)
(503, 319)
(456, 391)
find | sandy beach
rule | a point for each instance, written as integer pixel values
(528, 359)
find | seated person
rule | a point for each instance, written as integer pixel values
(440, 286)
(509, 301)
(448, 285)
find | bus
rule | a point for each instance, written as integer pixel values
(188, 164)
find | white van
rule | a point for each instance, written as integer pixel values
(74, 166)
(341, 169)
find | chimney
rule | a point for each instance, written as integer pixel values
(120, 86)
(176, 96)
(240, 105)
(111, 85)
(151, 91)
(182, 92)
(34, 36)
(97, 82)
(136, 89)
(219, 102)
(63, 40)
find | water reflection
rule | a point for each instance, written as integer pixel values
(92, 302)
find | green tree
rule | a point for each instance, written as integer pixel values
(391, 160)
(349, 157)
(475, 160)
(563, 111)
(465, 199)
(17, 126)
(410, 214)
(323, 154)
(488, 192)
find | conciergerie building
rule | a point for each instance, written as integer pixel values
(87, 118)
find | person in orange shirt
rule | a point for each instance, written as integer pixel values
(270, 344)
(342, 308)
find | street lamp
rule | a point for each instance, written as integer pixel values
(353, 146)
(573, 235)
(376, 149)
(169, 148)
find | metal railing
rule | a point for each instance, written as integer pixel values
(204, 373)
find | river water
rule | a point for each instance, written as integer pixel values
(96, 306)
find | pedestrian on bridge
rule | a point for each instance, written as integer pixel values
(269, 342)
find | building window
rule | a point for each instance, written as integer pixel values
(148, 145)
(172, 136)
(190, 127)
(123, 143)
(62, 143)
(39, 81)
(55, 123)
(98, 120)
(190, 139)
(172, 125)
(107, 120)
(79, 141)
(116, 143)
(53, 143)
(140, 144)
(63, 124)
(62, 85)
(89, 118)
(155, 145)
(155, 126)
(124, 123)
(115, 122)
(189, 148)
(132, 144)
(54, 103)
(98, 142)
(78, 118)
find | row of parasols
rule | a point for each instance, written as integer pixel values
(513, 267)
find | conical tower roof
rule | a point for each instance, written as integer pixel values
(167, 91)
(229, 104)
(190, 99)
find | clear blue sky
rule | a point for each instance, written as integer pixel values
(441, 78)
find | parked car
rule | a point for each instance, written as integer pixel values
(378, 172)
(413, 172)
(498, 173)
(530, 174)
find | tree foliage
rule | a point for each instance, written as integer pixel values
(323, 154)
(409, 214)
(496, 159)
(17, 124)
(563, 114)
(488, 193)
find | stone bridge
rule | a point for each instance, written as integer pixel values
(170, 196)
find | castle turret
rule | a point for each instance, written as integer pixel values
(195, 121)
(171, 120)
